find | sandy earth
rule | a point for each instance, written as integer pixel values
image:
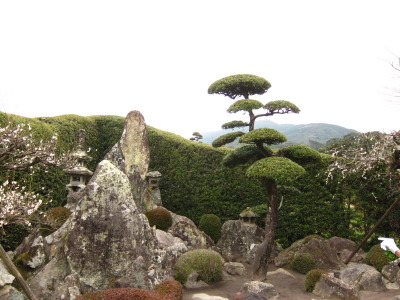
(292, 289)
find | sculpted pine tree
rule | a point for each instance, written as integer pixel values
(273, 169)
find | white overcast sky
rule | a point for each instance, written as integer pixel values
(330, 58)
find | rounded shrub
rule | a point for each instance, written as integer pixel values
(211, 225)
(311, 279)
(160, 217)
(169, 289)
(303, 263)
(207, 263)
(376, 257)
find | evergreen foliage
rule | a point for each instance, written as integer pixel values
(263, 135)
(159, 217)
(206, 262)
(244, 105)
(311, 279)
(240, 85)
(376, 257)
(244, 154)
(303, 263)
(226, 138)
(234, 124)
(211, 225)
(300, 154)
(280, 169)
(281, 107)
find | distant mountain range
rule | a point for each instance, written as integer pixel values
(314, 135)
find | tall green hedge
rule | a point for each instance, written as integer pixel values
(193, 183)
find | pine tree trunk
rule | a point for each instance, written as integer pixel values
(264, 250)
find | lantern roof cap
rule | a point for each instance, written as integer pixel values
(153, 174)
(78, 170)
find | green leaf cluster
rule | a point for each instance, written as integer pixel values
(240, 85)
(300, 154)
(159, 217)
(263, 135)
(206, 262)
(280, 169)
(244, 154)
(226, 138)
(281, 107)
(211, 225)
(234, 124)
(245, 105)
(311, 279)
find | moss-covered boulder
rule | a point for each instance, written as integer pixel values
(324, 256)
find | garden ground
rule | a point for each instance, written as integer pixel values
(288, 289)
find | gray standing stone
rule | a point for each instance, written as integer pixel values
(132, 155)
(107, 240)
(237, 239)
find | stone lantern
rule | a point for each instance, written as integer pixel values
(152, 195)
(248, 216)
(153, 179)
(79, 174)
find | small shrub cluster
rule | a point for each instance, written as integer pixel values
(376, 257)
(207, 263)
(311, 279)
(211, 225)
(159, 217)
(167, 290)
(303, 263)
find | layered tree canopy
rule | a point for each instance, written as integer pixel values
(279, 169)
(240, 85)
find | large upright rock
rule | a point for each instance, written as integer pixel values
(132, 155)
(107, 241)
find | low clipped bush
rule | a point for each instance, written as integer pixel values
(303, 263)
(167, 290)
(376, 257)
(207, 263)
(121, 294)
(211, 225)
(170, 289)
(159, 217)
(311, 279)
